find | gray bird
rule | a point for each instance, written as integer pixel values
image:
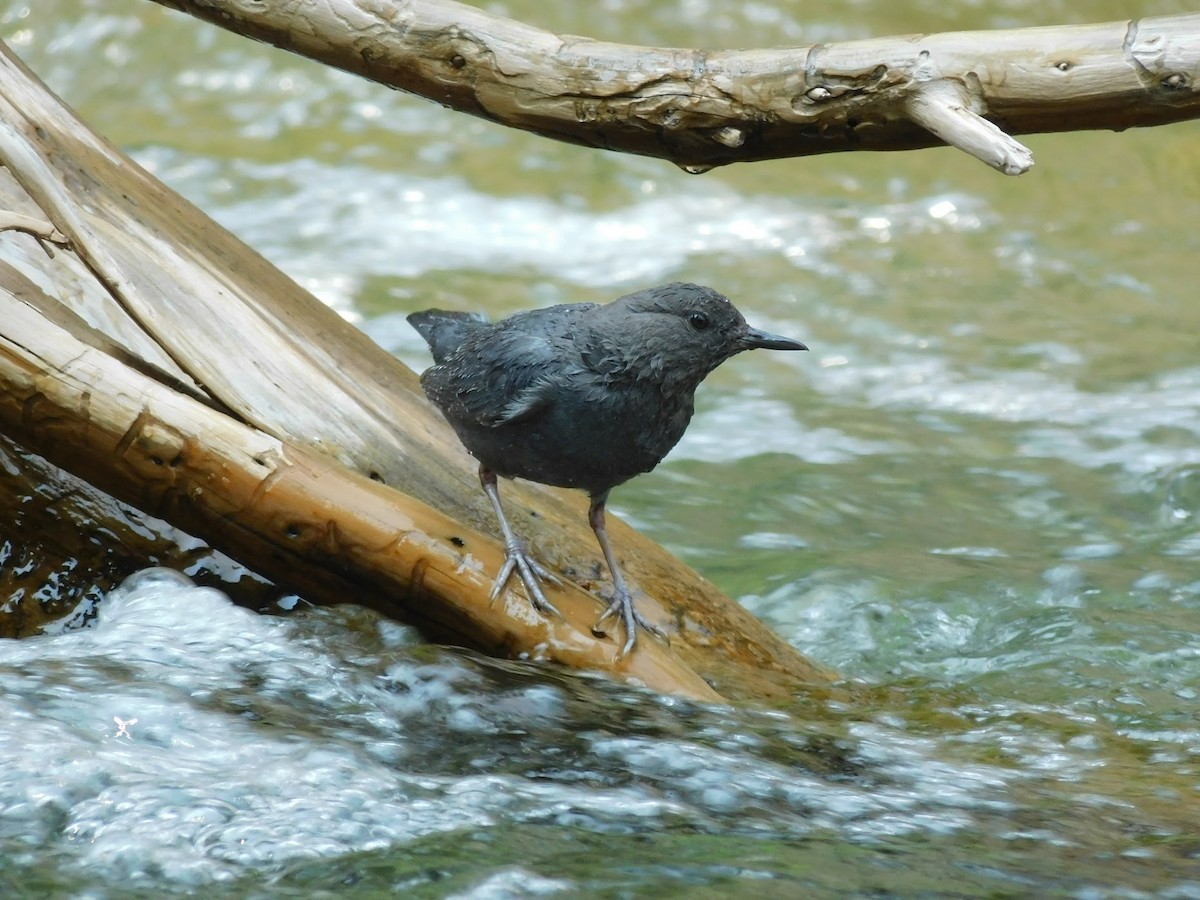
(581, 396)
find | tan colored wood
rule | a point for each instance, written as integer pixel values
(161, 291)
(306, 517)
(705, 108)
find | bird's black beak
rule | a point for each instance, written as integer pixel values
(754, 339)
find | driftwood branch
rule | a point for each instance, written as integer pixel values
(161, 360)
(701, 109)
(38, 228)
(306, 518)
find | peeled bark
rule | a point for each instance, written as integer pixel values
(700, 108)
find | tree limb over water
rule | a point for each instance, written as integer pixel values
(706, 108)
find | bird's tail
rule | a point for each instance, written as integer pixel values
(445, 330)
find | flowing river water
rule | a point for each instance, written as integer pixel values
(978, 498)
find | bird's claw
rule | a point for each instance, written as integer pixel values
(622, 606)
(517, 559)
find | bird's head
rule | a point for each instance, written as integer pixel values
(688, 328)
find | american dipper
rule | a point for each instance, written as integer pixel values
(580, 395)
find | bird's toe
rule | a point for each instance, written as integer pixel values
(623, 608)
(517, 559)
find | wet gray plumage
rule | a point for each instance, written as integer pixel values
(580, 395)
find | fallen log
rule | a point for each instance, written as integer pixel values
(163, 361)
(298, 515)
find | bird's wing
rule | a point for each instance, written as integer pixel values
(604, 355)
(500, 377)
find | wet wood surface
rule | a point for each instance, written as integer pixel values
(155, 349)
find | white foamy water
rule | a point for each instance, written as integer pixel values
(397, 224)
(186, 739)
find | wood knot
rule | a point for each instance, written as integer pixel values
(730, 137)
(154, 450)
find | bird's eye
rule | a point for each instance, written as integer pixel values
(698, 320)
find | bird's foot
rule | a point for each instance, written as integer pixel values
(622, 607)
(517, 559)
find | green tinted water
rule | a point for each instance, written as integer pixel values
(978, 497)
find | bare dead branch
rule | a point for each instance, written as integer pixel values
(701, 109)
(38, 228)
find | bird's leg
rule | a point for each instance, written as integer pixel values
(622, 603)
(516, 556)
